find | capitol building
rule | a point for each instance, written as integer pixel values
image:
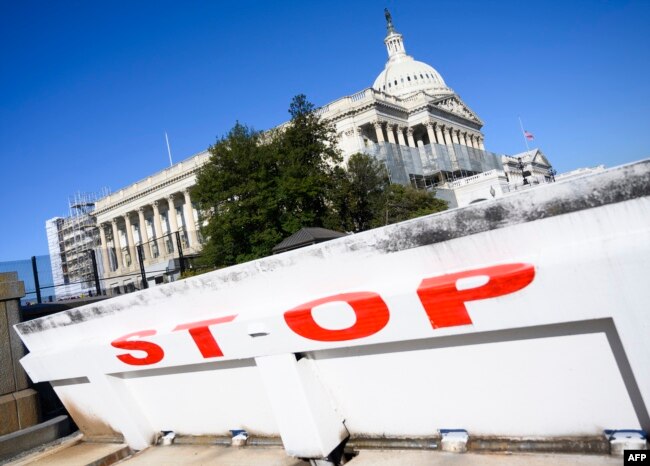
(409, 119)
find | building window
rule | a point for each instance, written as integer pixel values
(408, 77)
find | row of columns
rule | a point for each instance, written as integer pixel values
(189, 227)
(437, 132)
(440, 133)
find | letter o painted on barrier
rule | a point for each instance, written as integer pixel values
(369, 308)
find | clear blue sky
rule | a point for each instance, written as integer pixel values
(87, 89)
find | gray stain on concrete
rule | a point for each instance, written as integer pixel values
(618, 185)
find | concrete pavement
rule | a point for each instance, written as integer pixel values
(94, 454)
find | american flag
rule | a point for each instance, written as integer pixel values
(528, 135)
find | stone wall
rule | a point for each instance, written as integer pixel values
(19, 406)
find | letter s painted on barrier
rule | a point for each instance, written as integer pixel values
(445, 304)
(154, 353)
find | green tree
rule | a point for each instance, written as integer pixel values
(236, 191)
(401, 203)
(309, 154)
(359, 192)
(258, 189)
(365, 198)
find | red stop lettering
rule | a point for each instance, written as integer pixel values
(200, 333)
(445, 304)
(370, 310)
(154, 353)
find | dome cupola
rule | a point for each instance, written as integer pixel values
(402, 74)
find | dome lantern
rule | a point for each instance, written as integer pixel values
(393, 40)
(403, 75)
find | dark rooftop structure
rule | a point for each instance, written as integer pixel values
(306, 237)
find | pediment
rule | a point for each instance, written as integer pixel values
(540, 159)
(457, 107)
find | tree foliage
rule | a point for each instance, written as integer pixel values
(366, 199)
(237, 194)
(359, 193)
(405, 202)
(308, 156)
(258, 189)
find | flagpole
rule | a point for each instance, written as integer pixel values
(523, 133)
(169, 151)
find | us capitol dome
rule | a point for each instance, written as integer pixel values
(424, 133)
(404, 75)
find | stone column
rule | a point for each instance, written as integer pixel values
(190, 226)
(173, 223)
(454, 136)
(144, 239)
(447, 132)
(409, 134)
(390, 130)
(171, 214)
(158, 231)
(129, 238)
(104, 248)
(480, 143)
(358, 131)
(400, 135)
(430, 133)
(116, 245)
(439, 136)
(420, 144)
(379, 131)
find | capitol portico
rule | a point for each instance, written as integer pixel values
(412, 122)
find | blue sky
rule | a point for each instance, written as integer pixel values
(87, 89)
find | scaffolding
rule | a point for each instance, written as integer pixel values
(76, 236)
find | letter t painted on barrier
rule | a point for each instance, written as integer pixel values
(200, 333)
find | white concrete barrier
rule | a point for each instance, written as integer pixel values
(521, 316)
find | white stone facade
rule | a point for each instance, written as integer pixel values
(149, 213)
